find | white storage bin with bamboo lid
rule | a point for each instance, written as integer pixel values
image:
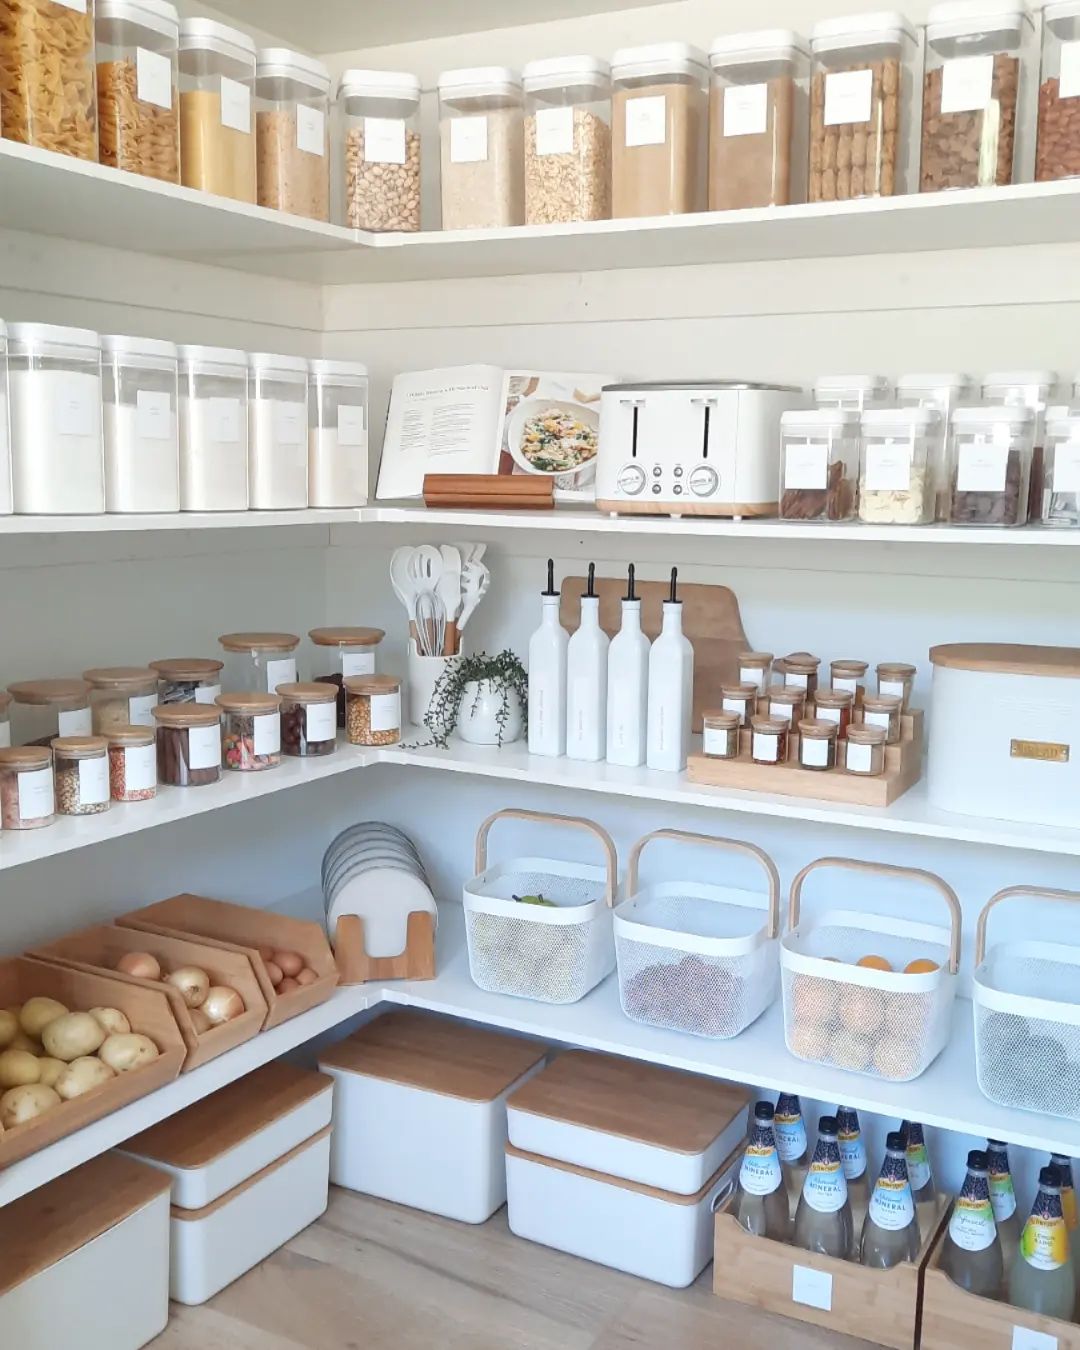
(698, 956)
(540, 928)
(63, 1245)
(866, 991)
(249, 1169)
(420, 1112)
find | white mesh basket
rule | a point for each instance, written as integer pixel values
(698, 957)
(553, 955)
(1026, 1002)
(883, 1023)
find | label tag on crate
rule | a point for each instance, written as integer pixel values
(814, 1288)
(1023, 1338)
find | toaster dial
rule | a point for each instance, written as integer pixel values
(631, 480)
(704, 481)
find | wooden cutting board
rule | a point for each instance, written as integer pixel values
(711, 621)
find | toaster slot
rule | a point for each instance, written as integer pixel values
(705, 432)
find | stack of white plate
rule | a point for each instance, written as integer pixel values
(373, 870)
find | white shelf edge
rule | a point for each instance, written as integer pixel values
(183, 520)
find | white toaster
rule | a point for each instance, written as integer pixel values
(691, 447)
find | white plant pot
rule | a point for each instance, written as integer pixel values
(477, 722)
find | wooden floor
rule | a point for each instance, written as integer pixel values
(374, 1276)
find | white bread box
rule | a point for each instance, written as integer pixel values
(420, 1111)
(64, 1247)
(1005, 732)
(249, 1169)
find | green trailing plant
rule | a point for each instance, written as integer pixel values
(505, 674)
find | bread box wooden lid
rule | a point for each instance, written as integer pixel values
(1009, 658)
(40, 1229)
(624, 1184)
(450, 1058)
(669, 1109)
(203, 1132)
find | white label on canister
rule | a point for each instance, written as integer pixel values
(5, 735)
(386, 711)
(140, 767)
(224, 420)
(746, 109)
(74, 409)
(877, 719)
(555, 131)
(806, 466)
(1023, 1338)
(153, 415)
(75, 722)
(735, 705)
(310, 130)
(153, 78)
(267, 736)
(752, 675)
(321, 721)
(468, 140)
(966, 83)
(350, 424)
(289, 421)
(893, 687)
(982, 468)
(848, 97)
(888, 467)
(358, 663)
(814, 751)
(207, 693)
(766, 747)
(849, 684)
(204, 747)
(811, 1287)
(781, 710)
(93, 781)
(235, 105)
(278, 672)
(827, 714)
(795, 679)
(1069, 70)
(36, 794)
(646, 120)
(79, 6)
(859, 757)
(141, 710)
(1066, 476)
(714, 741)
(384, 140)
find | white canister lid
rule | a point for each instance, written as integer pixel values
(566, 72)
(34, 336)
(659, 58)
(841, 418)
(1062, 424)
(209, 35)
(476, 81)
(886, 27)
(968, 18)
(281, 63)
(945, 380)
(218, 356)
(264, 361)
(1019, 377)
(768, 44)
(1014, 414)
(840, 384)
(1061, 9)
(322, 369)
(119, 344)
(917, 419)
(396, 84)
(157, 15)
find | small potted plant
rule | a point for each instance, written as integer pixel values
(485, 699)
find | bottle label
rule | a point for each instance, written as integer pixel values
(918, 1166)
(852, 1154)
(760, 1171)
(1044, 1242)
(826, 1187)
(972, 1224)
(891, 1205)
(790, 1137)
(1002, 1195)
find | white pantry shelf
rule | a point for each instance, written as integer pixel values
(182, 520)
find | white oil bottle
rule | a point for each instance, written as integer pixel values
(586, 681)
(547, 676)
(628, 684)
(671, 690)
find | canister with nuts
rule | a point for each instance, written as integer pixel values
(567, 140)
(381, 116)
(138, 104)
(81, 770)
(1058, 152)
(373, 709)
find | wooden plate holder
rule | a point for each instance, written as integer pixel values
(903, 769)
(416, 962)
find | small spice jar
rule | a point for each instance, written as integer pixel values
(883, 710)
(788, 703)
(817, 744)
(343, 652)
(81, 768)
(850, 677)
(740, 699)
(864, 751)
(801, 672)
(259, 662)
(835, 706)
(5, 719)
(756, 668)
(132, 764)
(720, 735)
(768, 740)
(188, 679)
(45, 709)
(309, 718)
(121, 696)
(250, 731)
(373, 709)
(26, 788)
(897, 678)
(188, 744)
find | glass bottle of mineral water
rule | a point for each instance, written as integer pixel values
(853, 1157)
(1042, 1278)
(1003, 1199)
(823, 1218)
(923, 1190)
(1069, 1209)
(761, 1200)
(891, 1231)
(791, 1145)
(971, 1254)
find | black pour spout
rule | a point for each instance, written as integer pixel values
(673, 598)
(630, 594)
(591, 589)
(550, 579)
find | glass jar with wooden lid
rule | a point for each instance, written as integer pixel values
(45, 709)
(81, 772)
(863, 751)
(373, 709)
(133, 764)
(898, 678)
(817, 744)
(188, 679)
(341, 652)
(883, 710)
(849, 676)
(740, 699)
(720, 735)
(121, 696)
(259, 662)
(756, 668)
(801, 671)
(836, 706)
(309, 718)
(769, 740)
(787, 702)
(250, 731)
(188, 744)
(26, 787)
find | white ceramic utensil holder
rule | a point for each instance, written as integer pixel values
(424, 674)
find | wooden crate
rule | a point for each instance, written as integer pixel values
(877, 1305)
(903, 769)
(99, 949)
(148, 1012)
(953, 1319)
(217, 921)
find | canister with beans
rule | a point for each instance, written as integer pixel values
(188, 744)
(121, 696)
(1058, 152)
(81, 767)
(373, 709)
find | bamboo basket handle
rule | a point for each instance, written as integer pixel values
(1009, 893)
(889, 870)
(550, 818)
(714, 841)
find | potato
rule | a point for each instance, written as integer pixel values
(72, 1036)
(124, 1053)
(21, 1041)
(21, 1104)
(9, 1028)
(18, 1067)
(37, 1013)
(50, 1070)
(81, 1075)
(112, 1020)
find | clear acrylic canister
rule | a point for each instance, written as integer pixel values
(853, 392)
(943, 391)
(47, 90)
(213, 429)
(337, 433)
(1058, 148)
(45, 709)
(861, 113)
(901, 449)
(567, 140)
(758, 120)
(659, 110)
(259, 662)
(819, 468)
(56, 442)
(1029, 389)
(140, 392)
(5, 426)
(481, 135)
(381, 115)
(292, 108)
(277, 432)
(138, 43)
(990, 465)
(217, 126)
(1060, 505)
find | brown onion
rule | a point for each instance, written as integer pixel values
(140, 964)
(307, 976)
(275, 972)
(222, 1004)
(192, 982)
(200, 1021)
(291, 963)
(287, 985)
